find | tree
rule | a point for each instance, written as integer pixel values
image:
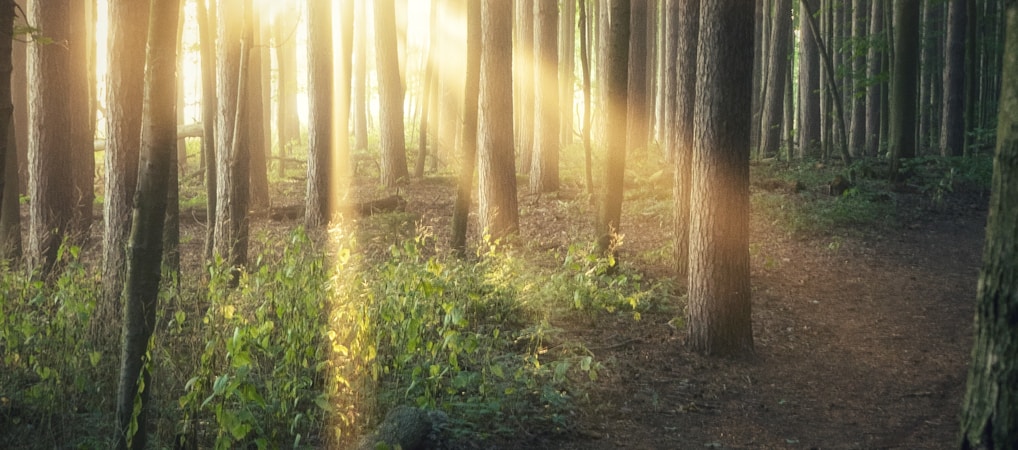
(874, 69)
(232, 157)
(587, 104)
(257, 139)
(637, 78)
(952, 126)
(670, 70)
(125, 82)
(51, 147)
(496, 175)
(390, 95)
(617, 84)
(10, 210)
(903, 87)
(809, 87)
(566, 66)
(719, 291)
(523, 82)
(856, 91)
(544, 176)
(988, 420)
(360, 79)
(469, 136)
(777, 65)
(320, 113)
(80, 79)
(209, 107)
(428, 97)
(8, 149)
(159, 139)
(287, 120)
(688, 25)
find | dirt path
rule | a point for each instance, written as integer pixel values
(861, 343)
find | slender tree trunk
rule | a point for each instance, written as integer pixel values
(360, 80)
(524, 83)
(159, 136)
(587, 103)
(903, 87)
(287, 120)
(469, 136)
(19, 96)
(496, 176)
(832, 83)
(988, 420)
(10, 211)
(209, 108)
(390, 95)
(616, 82)
(670, 69)
(952, 126)
(688, 27)
(257, 142)
(860, 26)
(637, 94)
(7, 144)
(428, 97)
(777, 65)
(809, 87)
(566, 76)
(82, 116)
(320, 114)
(544, 176)
(874, 69)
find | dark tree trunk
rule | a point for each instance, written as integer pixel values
(257, 141)
(498, 210)
(320, 114)
(616, 82)
(952, 127)
(390, 95)
(524, 82)
(544, 176)
(688, 26)
(159, 137)
(10, 211)
(470, 94)
(809, 87)
(587, 103)
(777, 65)
(80, 107)
(719, 291)
(903, 83)
(874, 69)
(7, 144)
(857, 97)
(637, 95)
(988, 419)
(209, 108)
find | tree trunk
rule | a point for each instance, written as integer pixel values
(8, 149)
(498, 210)
(777, 65)
(428, 97)
(257, 142)
(670, 69)
(719, 290)
(524, 84)
(874, 69)
(159, 136)
(587, 104)
(232, 159)
(390, 95)
(809, 87)
(637, 90)
(19, 96)
(209, 108)
(903, 87)
(470, 94)
(857, 135)
(10, 211)
(287, 120)
(685, 103)
(616, 82)
(320, 114)
(360, 79)
(566, 77)
(988, 420)
(51, 146)
(544, 163)
(82, 121)
(952, 126)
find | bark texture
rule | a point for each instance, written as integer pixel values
(544, 176)
(617, 84)
(685, 100)
(320, 112)
(390, 95)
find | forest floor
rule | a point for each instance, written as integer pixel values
(862, 336)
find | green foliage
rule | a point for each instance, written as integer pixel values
(596, 282)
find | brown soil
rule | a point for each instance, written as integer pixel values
(862, 338)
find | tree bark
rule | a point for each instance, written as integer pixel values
(320, 114)
(566, 76)
(390, 95)
(544, 176)
(159, 136)
(82, 117)
(874, 69)
(903, 88)
(719, 290)
(470, 93)
(857, 135)
(777, 65)
(524, 84)
(8, 149)
(988, 420)
(952, 126)
(587, 104)
(688, 26)
(617, 84)
(209, 108)
(637, 78)
(498, 210)
(360, 79)
(809, 87)
(287, 120)
(257, 141)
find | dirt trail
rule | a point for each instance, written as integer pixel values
(861, 342)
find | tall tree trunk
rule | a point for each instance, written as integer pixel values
(587, 103)
(232, 159)
(988, 420)
(809, 87)
(874, 69)
(616, 82)
(51, 146)
(688, 26)
(82, 121)
(360, 79)
(287, 120)
(390, 95)
(320, 114)
(428, 97)
(159, 136)
(8, 150)
(670, 69)
(524, 84)
(544, 176)
(719, 290)
(125, 80)
(257, 141)
(860, 26)
(637, 90)
(496, 176)
(342, 160)
(10, 210)
(777, 65)
(903, 87)
(952, 126)
(566, 76)
(209, 107)
(829, 76)
(469, 136)
(19, 96)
